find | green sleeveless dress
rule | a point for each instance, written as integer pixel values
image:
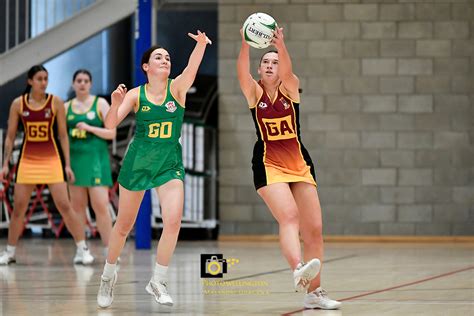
(154, 156)
(89, 153)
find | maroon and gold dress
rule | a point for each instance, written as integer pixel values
(40, 160)
(279, 155)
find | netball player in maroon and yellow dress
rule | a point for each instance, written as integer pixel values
(283, 172)
(40, 161)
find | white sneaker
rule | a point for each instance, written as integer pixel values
(304, 273)
(105, 297)
(7, 258)
(319, 299)
(83, 257)
(160, 292)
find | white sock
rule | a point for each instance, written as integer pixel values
(109, 270)
(160, 273)
(11, 250)
(81, 245)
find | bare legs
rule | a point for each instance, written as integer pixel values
(281, 203)
(129, 202)
(297, 210)
(171, 198)
(100, 202)
(306, 197)
(71, 219)
(21, 198)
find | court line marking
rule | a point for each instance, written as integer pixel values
(92, 284)
(286, 269)
(89, 284)
(393, 287)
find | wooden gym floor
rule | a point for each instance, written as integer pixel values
(370, 279)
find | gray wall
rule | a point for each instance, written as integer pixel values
(387, 114)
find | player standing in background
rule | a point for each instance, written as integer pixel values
(40, 161)
(90, 153)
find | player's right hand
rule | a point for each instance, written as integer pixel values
(4, 172)
(244, 42)
(119, 94)
(200, 37)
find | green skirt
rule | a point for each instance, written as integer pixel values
(91, 168)
(150, 165)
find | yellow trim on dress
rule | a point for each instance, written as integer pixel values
(258, 99)
(90, 107)
(264, 143)
(284, 94)
(54, 141)
(164, 99)
(98, 110)
(136, 108)
(299, 144)
(25, 136)
(171, 93)
(41, 107)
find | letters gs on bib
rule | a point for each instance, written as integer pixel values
(258, 30)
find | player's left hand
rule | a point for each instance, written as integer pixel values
(83, 126)
(278, 38)
(70, 174)
(200, 37)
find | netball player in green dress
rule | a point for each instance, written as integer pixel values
(89, 153)
(153, 160)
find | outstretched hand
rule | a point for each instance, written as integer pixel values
(200, 37)
(119, 94)
(278, 38)
(244, 42)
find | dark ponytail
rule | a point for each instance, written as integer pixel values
(31, 73)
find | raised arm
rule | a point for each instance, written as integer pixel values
(122, 103)
(248, 85)
(13, 118)
(289, 80)
(184, 81)
(101, 132)
(58, 105)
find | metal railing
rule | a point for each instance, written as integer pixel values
(25, 19)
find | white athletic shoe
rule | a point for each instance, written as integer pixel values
(304, 273)
(6, 258)
(105, 297)
(319, 299)
(83, 257)
(160, 292)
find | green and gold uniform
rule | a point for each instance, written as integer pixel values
(89, 153)
(154, 156)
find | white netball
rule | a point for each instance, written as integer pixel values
(258, 30)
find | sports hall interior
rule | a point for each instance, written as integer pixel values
(387, 115)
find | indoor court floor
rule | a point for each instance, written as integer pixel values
(370, 279)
